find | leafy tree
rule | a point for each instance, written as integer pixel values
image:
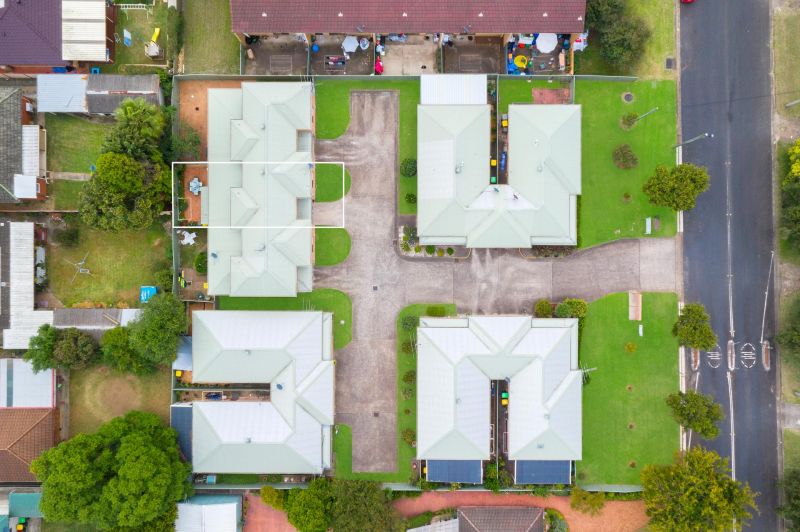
(599, 13)
(153, 335)
(791, 490)
(543, 309)
(695, 493)
(360, 505)
(272, 497)
(696, 411)
(693, 328)
(118, 354)
(409, 436)
(624, 157)
(678, 187)
(572, 308)
(61, 348)
(310, 510)
(139, 127)
(201, 263)
(128, 475)
(622, 41)
(120, 174)
(587, 502)
(408, 168)
(163, 279)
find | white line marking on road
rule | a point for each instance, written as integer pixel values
(748, 355)
(766, 295)
(733, 431)
(729, 217)
(714, 358)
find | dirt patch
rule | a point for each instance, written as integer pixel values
(193, 105)
(551, 96)
(261, 517)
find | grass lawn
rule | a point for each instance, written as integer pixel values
(786, 250)
(325, 299)
(604, 213)
(333, 116)
(237, 478)
(98, 394)
(209, 44)
(787, 61)
(791, 449)
(73, 143)
(141, 23)
(66, 193)
(328, 181)
(343, 439)
(659, 17)
(518, 90)
(332, 245)
(119, 262)
(626, 423)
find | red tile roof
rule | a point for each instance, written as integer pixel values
(27, 433)
(421, 16)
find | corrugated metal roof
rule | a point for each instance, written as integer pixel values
(30, 150)
(457, 205)
(105, 92)
(461, 471)
(180, 419)
(453, 89)
(61, 93)
(24, 322)
(539, 359)
(267, 249)
(197, 516)
(21, 387)
(83, 30)
(542, 472)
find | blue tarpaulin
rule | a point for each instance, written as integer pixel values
(462, 471)
(542, 471)
(146, 292)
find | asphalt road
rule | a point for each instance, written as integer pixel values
(726, 91)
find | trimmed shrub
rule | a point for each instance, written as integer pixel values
(408, 168)
(450, 251)
(430, 250)
(201, 263)
(410, 377)
(409, 323)
(543, 309)
(578, 307)
(407, 347)
(408, 393)
(272, 497)
(563, 311)
(629, 120)
(409, 436)
(440, 252)
(436, 311)
(587, 502)
(624, 157)
(405, 247)
(163, 279)
(411, 198)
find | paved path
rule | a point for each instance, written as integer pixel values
(791, 415)
(617, 516)
(380, 282)
(70, 176)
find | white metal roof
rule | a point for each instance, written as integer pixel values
(24, 186)
(453, 89)
(30, 150)
(61, 93)
(28, 389)
(259, 215)
(206, 517)
(292, 351)
(24, 322)
(456, 360)
(83, 30)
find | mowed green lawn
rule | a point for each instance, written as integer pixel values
(333, 116)
(120, 263)
(325, 299)
(328, 181)
(331, 245)
(605, 214)
(791, 449)
(67, 194)
(73, 143)
(209, 44)
(520, 90)
(787, 62)
(626, 422)
(343, 438)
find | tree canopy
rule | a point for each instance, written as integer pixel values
(677, 187)
(118, 353)
(791, 504)
(126, 476)
(693, 327)
(621, 35)
(154, 334)
(695, 493)
(61, 348)
(789, 336)
(697, 412)
(138, 130)
(309, 510)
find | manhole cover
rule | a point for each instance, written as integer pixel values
(376, 414)
(670, 63)
(374, 288)
(627, 97)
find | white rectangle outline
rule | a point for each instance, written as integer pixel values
(206, 163)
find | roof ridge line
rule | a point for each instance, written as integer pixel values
(33, 426)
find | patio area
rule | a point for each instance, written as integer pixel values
(277, 55)
(415, 56)
(329, 58)
(193, 173)
(468, 54)
(545, 53)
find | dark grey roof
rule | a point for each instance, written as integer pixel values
(462, 471)
(104, 92)
(500, 519)
(180, 419)
(542, 471)
(30, 33)
(10, 139)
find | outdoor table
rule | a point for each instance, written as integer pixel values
(547, 42)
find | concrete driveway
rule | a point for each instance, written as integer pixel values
(380, 282)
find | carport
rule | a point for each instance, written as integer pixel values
(461, 471)
(542, 471)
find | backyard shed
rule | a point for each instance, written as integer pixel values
(209, 513)
(61, 93)
(453, 89)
